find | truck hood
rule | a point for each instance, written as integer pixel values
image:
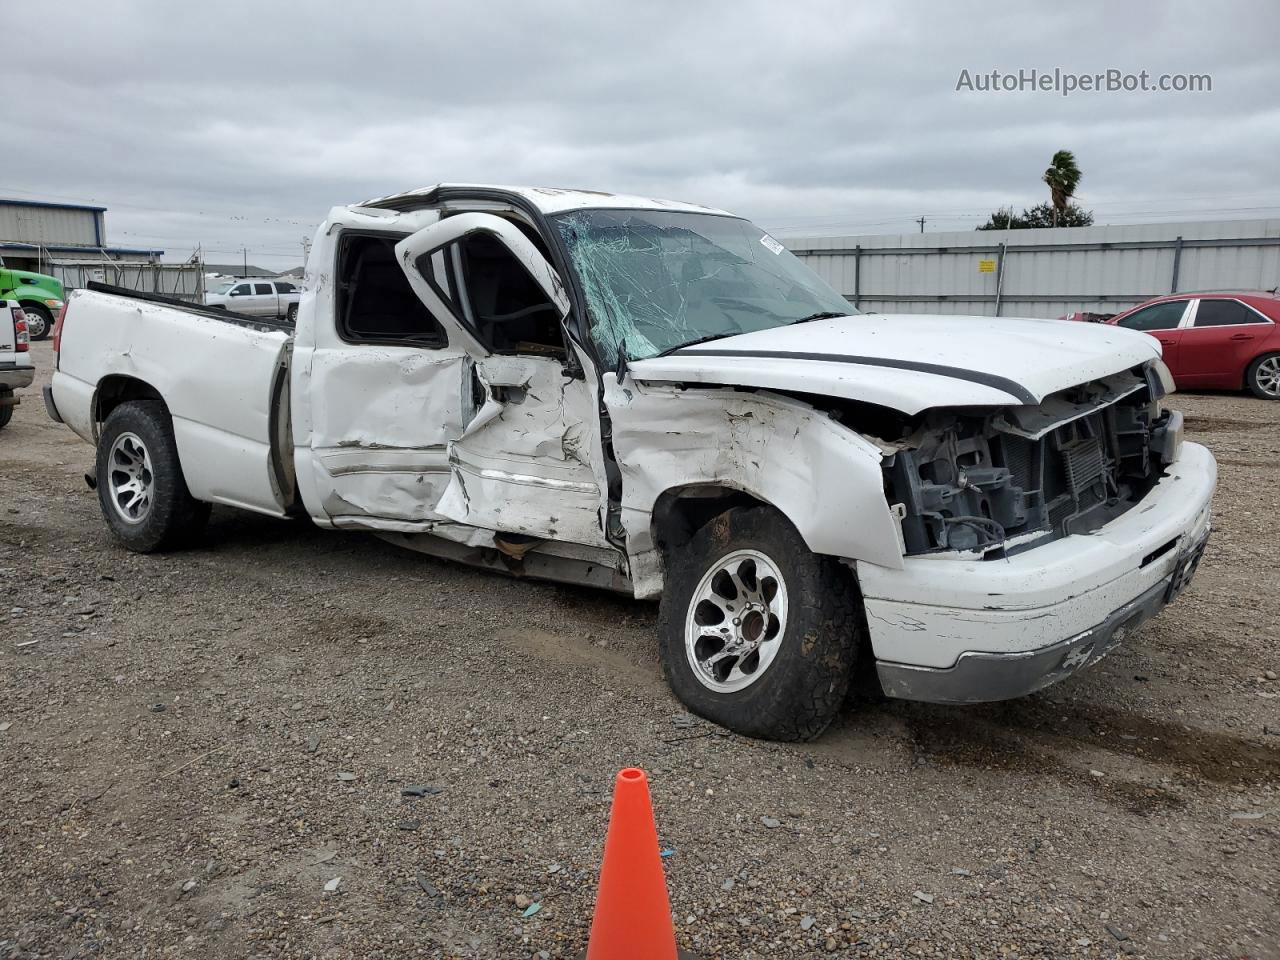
(911, 362)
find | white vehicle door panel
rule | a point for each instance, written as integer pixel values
(240, 299)
(264, 300)
(523, 464)
(382, 417)
(528, 461)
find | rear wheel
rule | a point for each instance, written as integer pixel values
(39, 320)
(291, 314)
(758, 633)
(141, 489)
(1263, 377)
(6, 409)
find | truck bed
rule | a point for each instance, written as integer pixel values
(223, 378)
(240, 319)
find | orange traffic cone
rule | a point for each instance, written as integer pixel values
(633, 915)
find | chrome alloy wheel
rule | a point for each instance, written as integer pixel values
(736, 620)
(1267, 376)
(37, 326)
(130, 479)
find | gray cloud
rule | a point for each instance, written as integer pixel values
(234, 124)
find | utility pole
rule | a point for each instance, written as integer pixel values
(921, 222)
(246, 261)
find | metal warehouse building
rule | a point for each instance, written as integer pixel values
(1048, 272)
(69, 241)
(34, 233)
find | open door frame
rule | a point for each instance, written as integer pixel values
(432, 240)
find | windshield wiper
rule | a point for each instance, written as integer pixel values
(707, 339)
(821, 315)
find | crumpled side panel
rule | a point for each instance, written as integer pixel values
(524, 464)
(822, 476)
(382, 423)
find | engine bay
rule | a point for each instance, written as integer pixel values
(993, 483)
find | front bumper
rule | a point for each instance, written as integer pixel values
(982, 677)
(964, 630)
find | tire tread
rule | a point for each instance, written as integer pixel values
(176, 518)
(816, 684)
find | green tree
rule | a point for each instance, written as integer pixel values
(1041, 215)
(1063, 176)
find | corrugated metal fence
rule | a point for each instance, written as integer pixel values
(1044, 273)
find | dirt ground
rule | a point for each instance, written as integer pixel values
(199, 744)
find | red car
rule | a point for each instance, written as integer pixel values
(1222, 340)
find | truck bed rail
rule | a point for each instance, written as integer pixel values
(239, 319)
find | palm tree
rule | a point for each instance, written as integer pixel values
(1062, 177)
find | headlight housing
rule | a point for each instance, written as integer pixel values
(1161, 379)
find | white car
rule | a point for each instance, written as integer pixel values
(658, 398)
(16, 367)
(256, 297)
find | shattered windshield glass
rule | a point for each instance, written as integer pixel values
(656, 281)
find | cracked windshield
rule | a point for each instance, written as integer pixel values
(657, 281)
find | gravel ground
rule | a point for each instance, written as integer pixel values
(203, 756)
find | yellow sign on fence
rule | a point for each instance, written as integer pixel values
(986, 266)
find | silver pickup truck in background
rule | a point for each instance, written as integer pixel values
(256, 297)
(658, 398)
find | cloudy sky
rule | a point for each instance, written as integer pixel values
(239, 124)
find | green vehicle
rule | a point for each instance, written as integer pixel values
(41, 297)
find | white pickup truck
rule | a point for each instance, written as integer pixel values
(658, 398)
(16, 367)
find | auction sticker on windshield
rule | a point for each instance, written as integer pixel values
(772, 244)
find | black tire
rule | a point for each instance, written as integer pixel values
(39, 320)
(798, 693)
(6, 412)
(291, 315)
(1265, 387)
(173, 518)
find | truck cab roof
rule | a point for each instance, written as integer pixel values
(545, 199)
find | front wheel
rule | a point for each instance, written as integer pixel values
(758, 633)
(141, 489)
(39, 320)
(1263, 377)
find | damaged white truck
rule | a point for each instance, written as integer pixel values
(658, 398)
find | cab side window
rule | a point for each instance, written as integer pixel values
(375, 303)
(243, 290)
(1158, 316)
(507, 306)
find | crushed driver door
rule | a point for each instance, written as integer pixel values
(529, 460)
